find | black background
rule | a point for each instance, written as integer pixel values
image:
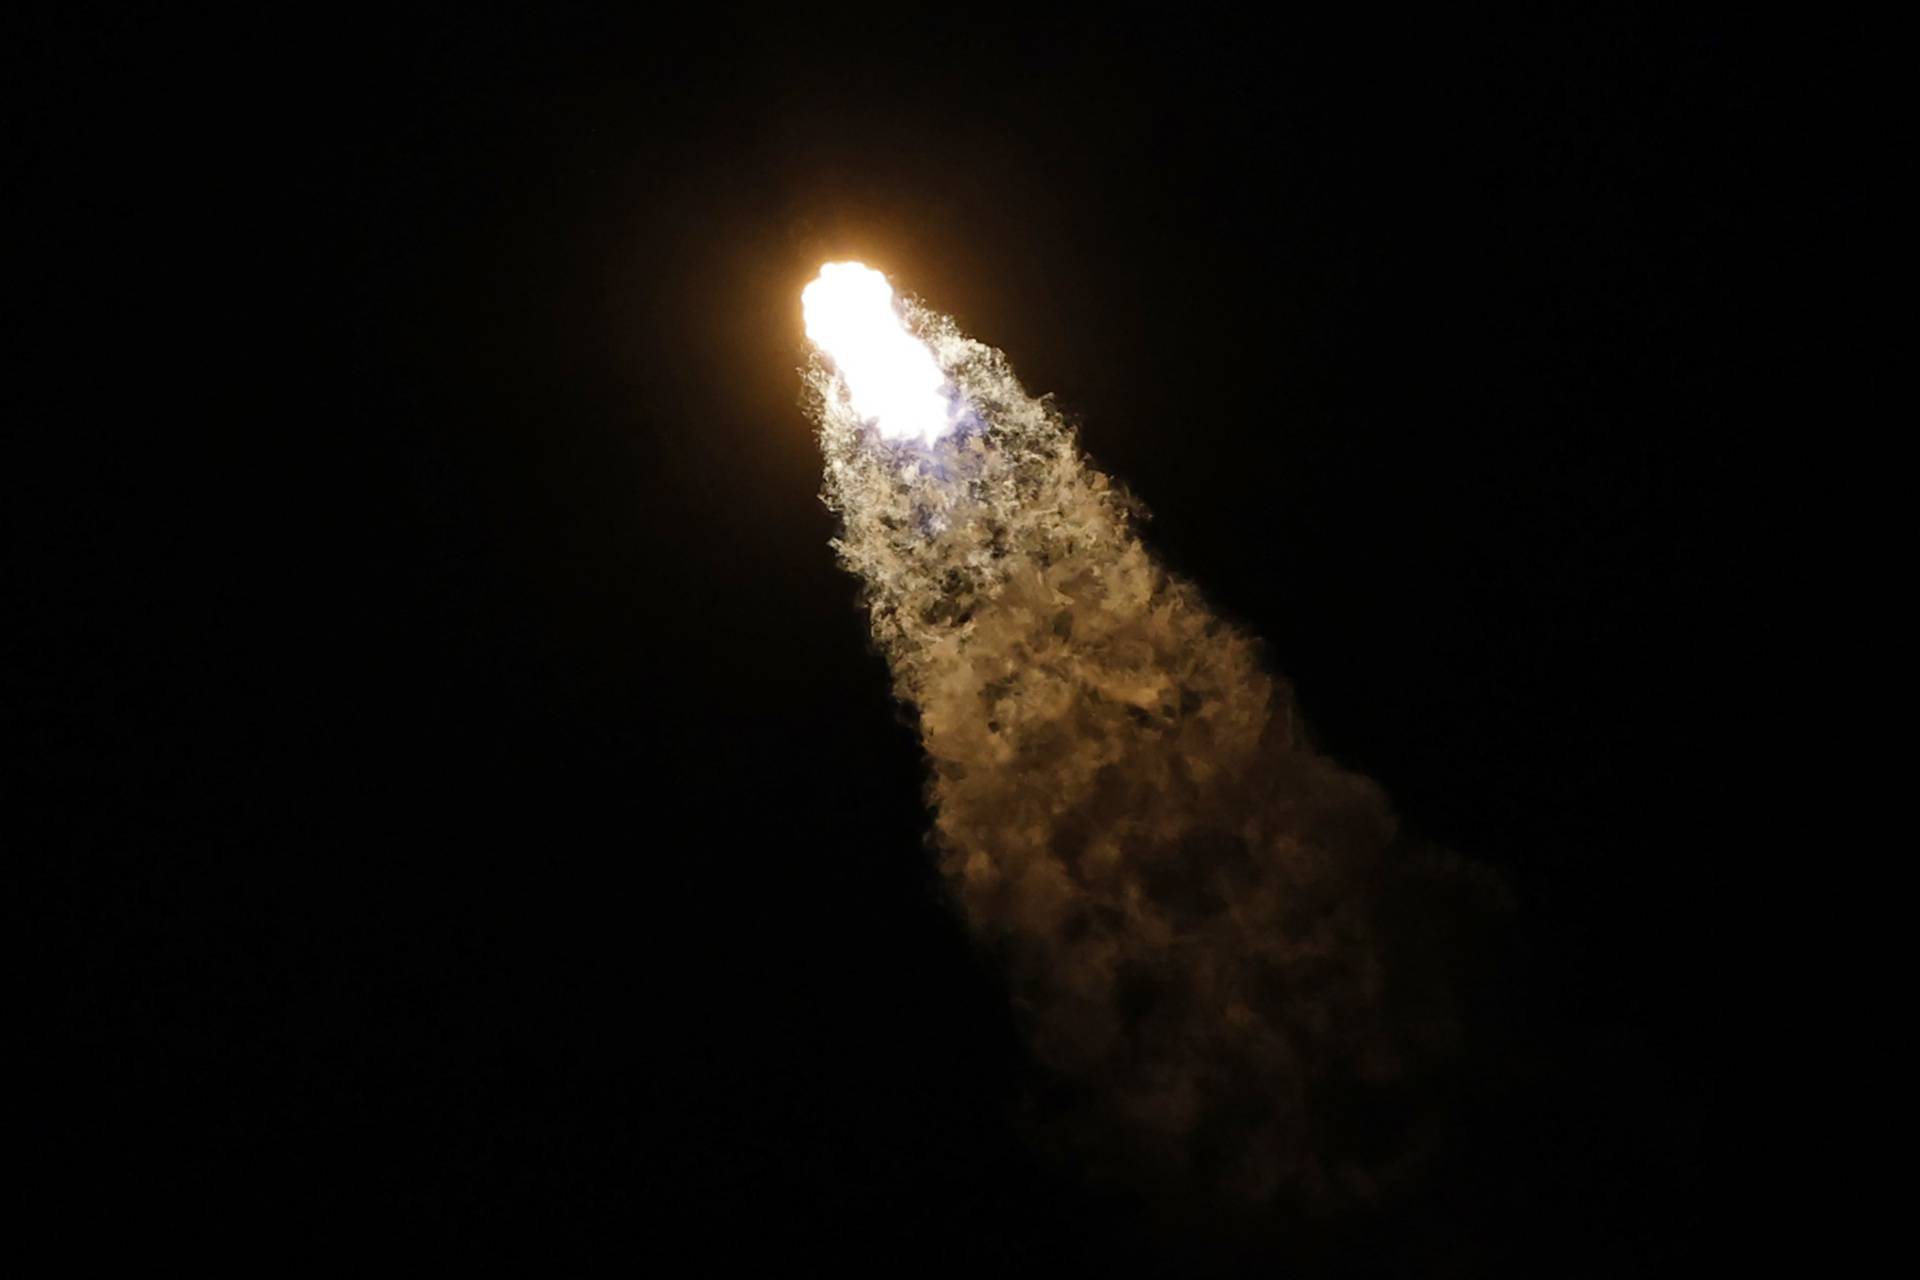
(463, 804)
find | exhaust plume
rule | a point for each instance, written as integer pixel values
(1193, 904)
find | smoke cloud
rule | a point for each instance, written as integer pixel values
(1225, 954)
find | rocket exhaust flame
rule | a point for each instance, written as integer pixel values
(1189, 899)
(891, 377)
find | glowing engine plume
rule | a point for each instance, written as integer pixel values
(891, 376)
(1191, 900)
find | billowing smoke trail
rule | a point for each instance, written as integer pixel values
(1191, 900)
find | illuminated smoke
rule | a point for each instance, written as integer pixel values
(1190, 900)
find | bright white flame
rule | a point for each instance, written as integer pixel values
(892, 377)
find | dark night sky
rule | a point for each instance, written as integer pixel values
(462, 800)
